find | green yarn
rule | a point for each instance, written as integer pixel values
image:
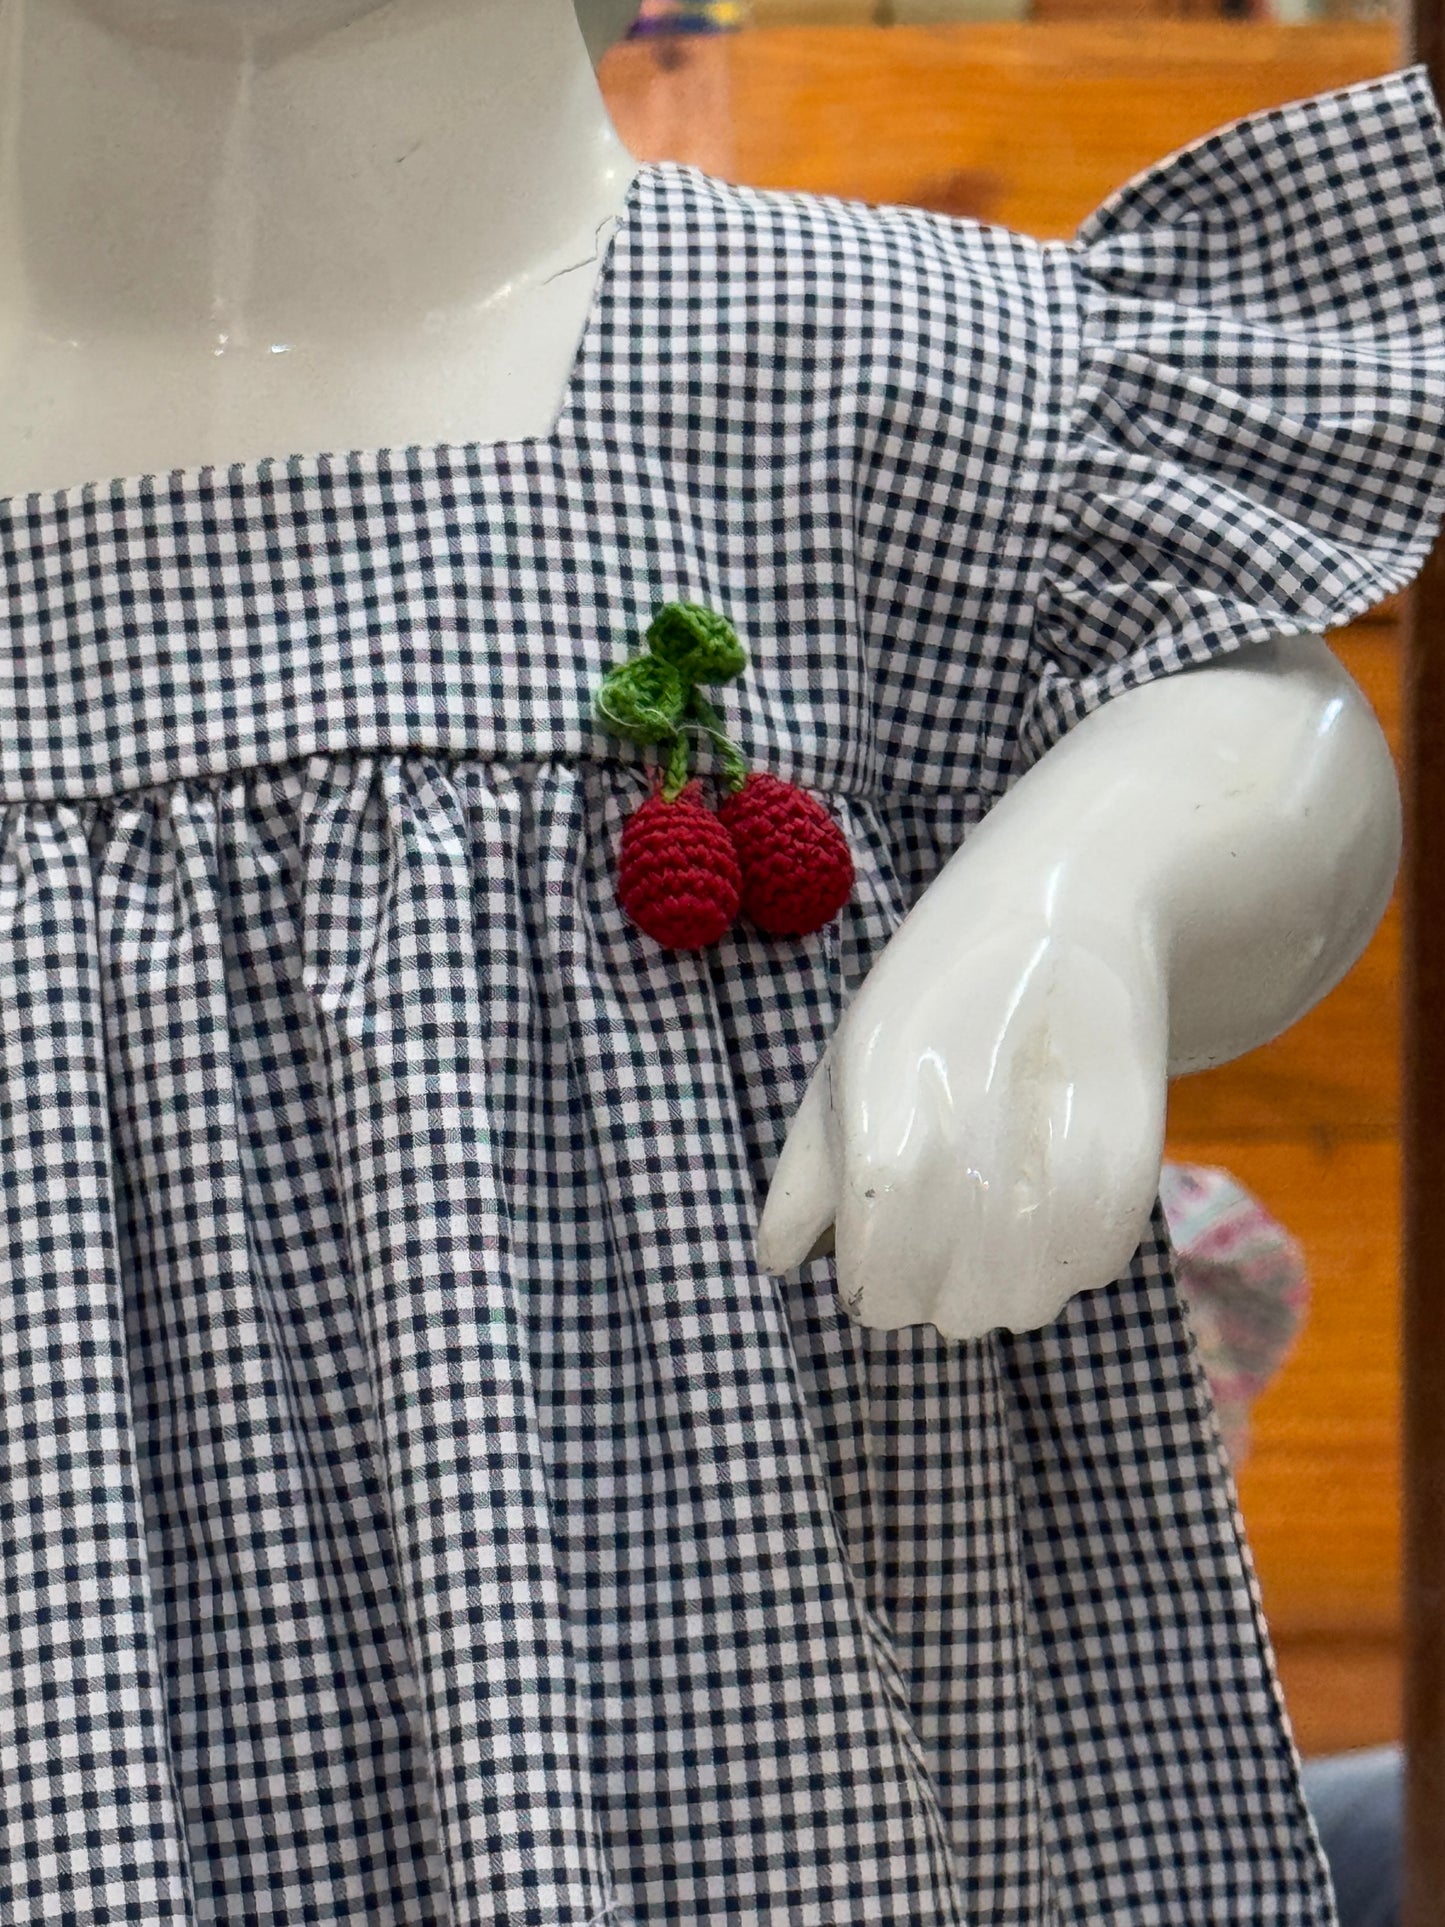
(644, 700)
(702, 645)
(703, 713)
(648, 698)
(677, 770)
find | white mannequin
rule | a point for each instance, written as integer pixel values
(230, 228)
(238, 228)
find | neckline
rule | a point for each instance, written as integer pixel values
(255, 470)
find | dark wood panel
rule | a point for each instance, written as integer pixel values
(1423, 980)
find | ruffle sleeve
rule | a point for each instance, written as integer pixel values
(1256, 439)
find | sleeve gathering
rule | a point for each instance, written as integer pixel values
(1255, 438)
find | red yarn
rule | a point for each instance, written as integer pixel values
(678, 877)
(796, 866)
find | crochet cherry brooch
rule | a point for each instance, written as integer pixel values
(685, 871)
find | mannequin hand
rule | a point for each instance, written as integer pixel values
(985, 1129)
(1174, 883)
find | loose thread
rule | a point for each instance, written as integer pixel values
(701, 711)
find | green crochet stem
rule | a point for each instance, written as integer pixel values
(701, 712)
(677, 769)
(649, 697)
(706, 717)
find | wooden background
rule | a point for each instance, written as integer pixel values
(1032, 125)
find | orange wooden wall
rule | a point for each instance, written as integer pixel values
(1031, 126)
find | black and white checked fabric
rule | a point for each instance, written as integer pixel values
(415, 1504)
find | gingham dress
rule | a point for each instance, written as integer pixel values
(416, 1504)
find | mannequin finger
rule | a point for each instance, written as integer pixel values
(796, 1225)
(1118, 1183)
(892, 1245)
(976, 1283)
(1037, 1207)
(1098, 1219)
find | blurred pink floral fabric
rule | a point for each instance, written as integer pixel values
(1244, 1282)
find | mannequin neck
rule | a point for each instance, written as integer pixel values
(251, 174)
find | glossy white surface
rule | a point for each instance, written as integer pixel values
(604, 22)
(239, 228)
(1175, 883)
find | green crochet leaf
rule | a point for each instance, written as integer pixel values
(702, 645)
(644, 700)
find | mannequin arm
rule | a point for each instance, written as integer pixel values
(1179, 880)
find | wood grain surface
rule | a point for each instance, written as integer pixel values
(1032, 126)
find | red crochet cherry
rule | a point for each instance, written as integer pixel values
(796, 865)
(678, 876)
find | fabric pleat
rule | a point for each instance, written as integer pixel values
(1257, 436)
(434, 1377)
(91, 1762)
